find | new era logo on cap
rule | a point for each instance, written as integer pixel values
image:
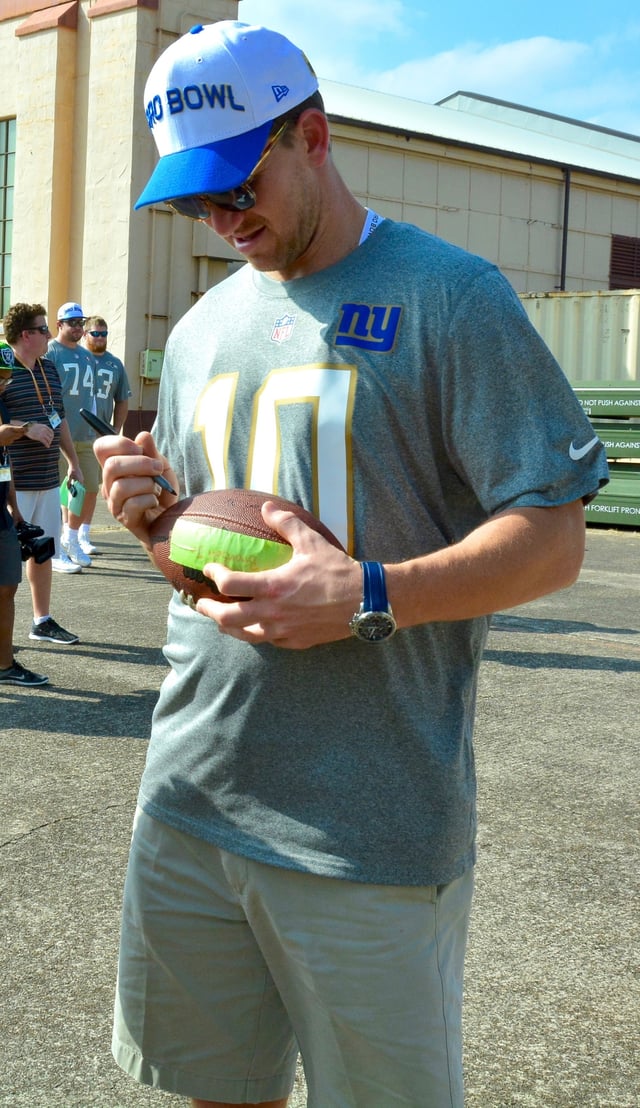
(210, 100)
(280, 91)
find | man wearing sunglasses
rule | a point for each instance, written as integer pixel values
(35, 403)
(12, 672)
(302, 861)
(77, 369)
(112, 394)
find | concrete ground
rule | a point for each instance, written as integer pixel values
(553, 970)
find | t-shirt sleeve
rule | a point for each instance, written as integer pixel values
(514, 428)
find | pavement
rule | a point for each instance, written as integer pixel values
(552, 1017)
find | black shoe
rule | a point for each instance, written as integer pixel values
(50, 631)
(18, 675)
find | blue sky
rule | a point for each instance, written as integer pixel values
(579, 58)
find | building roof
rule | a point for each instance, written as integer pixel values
(495, 126)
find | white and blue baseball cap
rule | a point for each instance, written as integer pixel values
(70, 310)
(210, 101)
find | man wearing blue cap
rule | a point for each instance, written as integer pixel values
(301, 867)
(77, 370)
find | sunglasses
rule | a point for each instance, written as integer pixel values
(98, 334)
(74, 322)
(239, 199)
(43, 329)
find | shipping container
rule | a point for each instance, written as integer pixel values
(595, 336)
(614, 412)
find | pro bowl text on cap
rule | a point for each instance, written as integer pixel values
(70, 311)
(210, 100)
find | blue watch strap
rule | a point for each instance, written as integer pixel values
(374, 589)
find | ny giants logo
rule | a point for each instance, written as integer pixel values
(371, 327)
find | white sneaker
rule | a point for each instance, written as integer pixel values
(63, 564)
(87, 546)
(72, 548)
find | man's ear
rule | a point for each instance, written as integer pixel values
(314, 127)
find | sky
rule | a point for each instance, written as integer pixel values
(576, 58)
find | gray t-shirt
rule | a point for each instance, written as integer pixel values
(112, 384)
(77, 370)
(402, 396)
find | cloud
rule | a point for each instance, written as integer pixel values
(385, 45)
(508, 71)
(586, 81)
(335, 32)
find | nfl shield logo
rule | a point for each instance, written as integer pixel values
(6, 355)
(283, 328)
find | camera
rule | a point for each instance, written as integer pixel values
(34, 543)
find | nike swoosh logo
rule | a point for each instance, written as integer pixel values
(576, 453)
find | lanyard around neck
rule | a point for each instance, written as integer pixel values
(37, 386)
(372, 221)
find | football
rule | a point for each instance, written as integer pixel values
(224, 526)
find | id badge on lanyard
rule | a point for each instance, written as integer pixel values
(53, 418)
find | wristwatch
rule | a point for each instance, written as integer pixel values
(25, 426)
(374, 622)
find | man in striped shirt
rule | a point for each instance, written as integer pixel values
(34, 402)
(12, 672)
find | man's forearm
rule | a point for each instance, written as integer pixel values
(511, 559)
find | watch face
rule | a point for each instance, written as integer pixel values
(373, 626)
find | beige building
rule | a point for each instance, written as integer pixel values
(555, 203)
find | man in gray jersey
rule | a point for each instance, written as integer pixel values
(112, 394)
(301, 867)
(77, 369)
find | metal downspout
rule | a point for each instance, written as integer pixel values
(565, 230)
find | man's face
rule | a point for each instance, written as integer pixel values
(276, 235)
(95, 339)
(70, 330)
(37, 336)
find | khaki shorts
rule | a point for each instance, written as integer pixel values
(91, 471)
(227, 966)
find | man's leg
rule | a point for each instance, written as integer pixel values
(196, 1010)
(371, 977)
(7, 615)
(43, 509)
(76, 534)
(39, 578)
(86, 515)
(90, 501)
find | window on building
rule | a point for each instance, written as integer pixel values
(7, 168)
(624, 270)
